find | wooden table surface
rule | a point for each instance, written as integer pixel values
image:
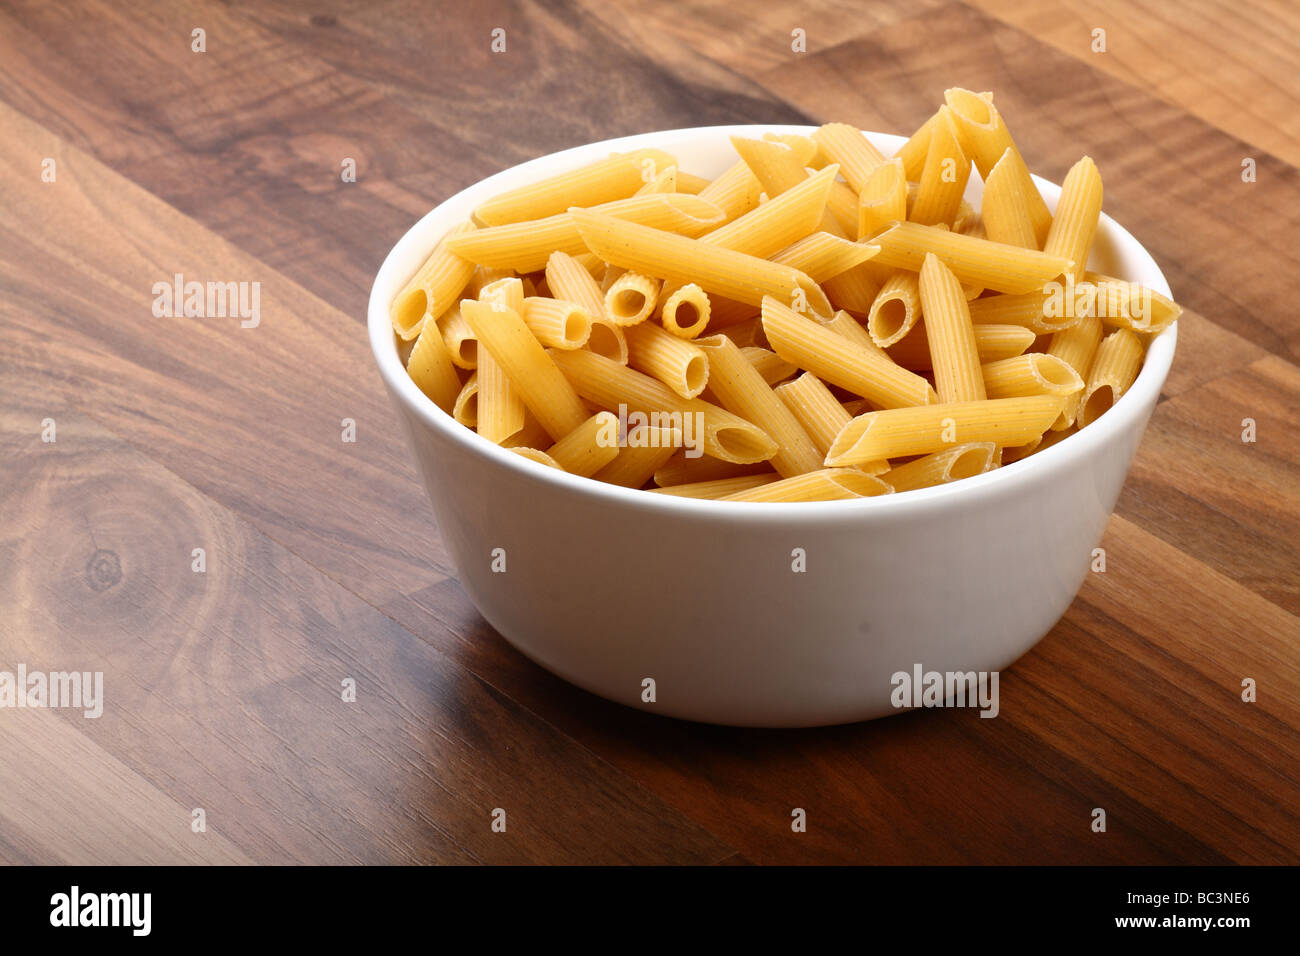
(323, 561)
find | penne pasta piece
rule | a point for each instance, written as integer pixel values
(768, 364)
(665, 181)
(434, 288)
(589, 447)
(570, 280)
(821, 416)
(847, 147)
(556, 323)
(835, 359)
(896, 308)
(459, 338)
(992, 342)
(804, 147)
(527, 365)
(1031, 374)
(663, 255)
(685, 312)
(617, 177)
(526, 246)
(846, 325)
(500, 409)
(985, 139)
(953, 353)
(741, 390)
(508, 292)
(607, 340)
(631, 298)
(465, 410)
(612, 386)
(827, 484)
(822, 255)
(532, 435)
(431, 368)
(780, 221)
(591, 262)
(923, 430)
(682, 470)
(1119, 358)
(1042, 312)
(943, 179)
(912, 153)
(843, 205)
(720, 488)
(735, 192)
(690, 183)
(978, 262)
(1077, 347)
(941, 467)
(645, 450)
(534, 454)
(1004, 208)
(1077, 213)
(883, 199)
(679, 364)
(775, 165)
(1128, 305)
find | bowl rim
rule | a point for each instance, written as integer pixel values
(1006, 479)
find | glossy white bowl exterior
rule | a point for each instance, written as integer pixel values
(607, 586)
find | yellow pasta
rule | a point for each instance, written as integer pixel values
(922, 430)
(992, 342)
(780, 221)
(459, 338)
(980, 262)
(529, 367)
(631, 298)
(465, 409)
(609, 386)
(500, 409)
(1119, 357)
(820, 415)
(953, 353)
(718, 488)
(775, 165)
(679, 364)
(431, 368)
(740, 389)
(537, 455)
(767, 363)
(835, 359)
(434, 287)
(1076, 346)
(845, 146)
(690, 183)
(1041, 311)
(617, 177)
(645, 450)
(1128, 305)
(849, 327)
(951, 464)
(683, 470)
(912, 154)
(525, 246)
(678, 259)
(822, 255)
(589, 447)
(883, 199)
(1004, 208)
(1077, 214)
(828, 484)
(685, 312)
(735, 192)
(985, 138)
(665, 181)
(896, 308)
(1036, 373)
(556, 323)
(943, 179)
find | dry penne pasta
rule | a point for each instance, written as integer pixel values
(815, 323)
(1119, 357)
(980, 262)
(678, 259)
(685, 311)
(678, 363)
(741, 389)
(617, 177)
(828, 484)
(951, 464)
(434, 287)
(951, 336)
(925, 429)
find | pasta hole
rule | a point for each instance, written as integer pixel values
(1058, 374)
(686, 315)
(628, 303)
(411, 308)
(575, 327)
(697, 375)
(969, 463)
(973, 107)
(890, 319)
(604, 341)
(1098, 402)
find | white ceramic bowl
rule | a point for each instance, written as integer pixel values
(607, 586)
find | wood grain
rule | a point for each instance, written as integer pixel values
(324, 561)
